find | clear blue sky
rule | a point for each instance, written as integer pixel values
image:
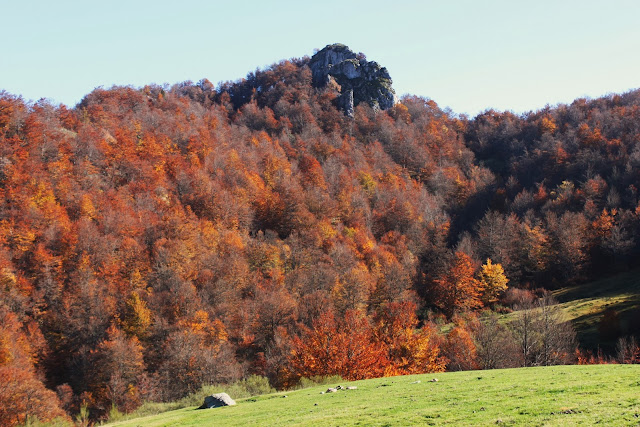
(467, 55)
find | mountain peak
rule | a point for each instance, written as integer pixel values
(359, 80)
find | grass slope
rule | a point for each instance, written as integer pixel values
(585, 305)
(559, 395)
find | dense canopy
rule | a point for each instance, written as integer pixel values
(156, 239)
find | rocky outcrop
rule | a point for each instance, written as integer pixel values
(217, 400)
(358, 80)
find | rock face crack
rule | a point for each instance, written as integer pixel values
(358, 80)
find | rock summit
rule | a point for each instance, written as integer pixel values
(358, 80)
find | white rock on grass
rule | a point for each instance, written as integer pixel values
(217, 400)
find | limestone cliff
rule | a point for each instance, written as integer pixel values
(359, 80)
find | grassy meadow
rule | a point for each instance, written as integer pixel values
(586, 304)
(558, 395)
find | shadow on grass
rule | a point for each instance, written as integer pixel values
(586, 304)
(628, 282)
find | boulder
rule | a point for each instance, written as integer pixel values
(217, 400)
(358, 80)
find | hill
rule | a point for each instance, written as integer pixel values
(587, 304)
(159, 238)
(560, 395)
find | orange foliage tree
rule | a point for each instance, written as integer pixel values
(457, 288)
(338, 347)
(22, 394)
(410, 350)
(116, 370)
(459, 346)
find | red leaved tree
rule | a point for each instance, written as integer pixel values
(457, 289)
(410, 350)
(22, 394)
(338, 347)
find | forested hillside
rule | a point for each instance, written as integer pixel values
(156, 239)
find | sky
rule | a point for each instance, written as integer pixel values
(466, 55)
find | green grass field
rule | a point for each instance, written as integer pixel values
(560, 395)
(585, 305)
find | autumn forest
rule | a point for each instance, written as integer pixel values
(156, 239)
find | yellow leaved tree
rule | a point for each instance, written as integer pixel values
(493, 282)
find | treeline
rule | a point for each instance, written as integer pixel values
(572, 172)
(155, 239)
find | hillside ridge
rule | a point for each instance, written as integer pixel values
(159, 238)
